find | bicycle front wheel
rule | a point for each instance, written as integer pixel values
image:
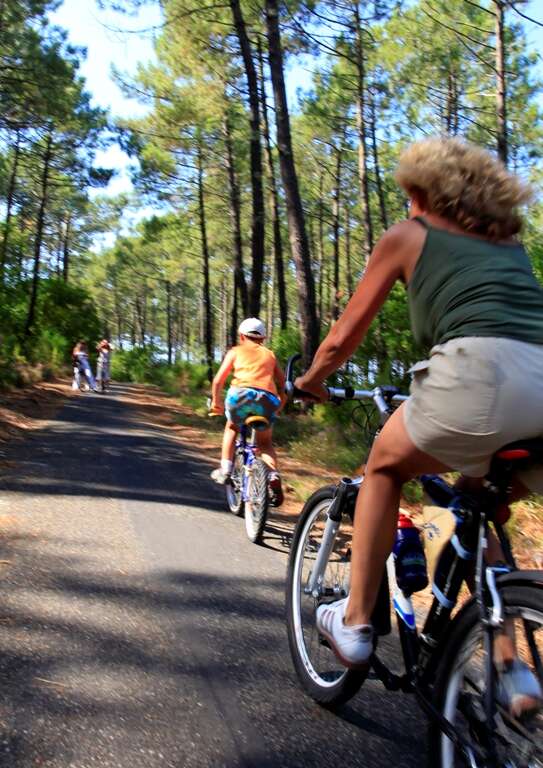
(321, 674)
(256, 505)
(234, 489)
(461, 684)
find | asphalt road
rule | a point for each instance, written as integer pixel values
(139, 628)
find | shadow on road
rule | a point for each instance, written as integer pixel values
(125, 664)
(96, 448)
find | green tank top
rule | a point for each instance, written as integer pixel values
(463, 286)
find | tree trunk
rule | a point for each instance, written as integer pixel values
(336, 211)
(234, 315)
(169, 328)
(183, 340)
(9, 206)
(66, 249)
(208, 321)
(133, 327)
(270, 301)
(141, 316)
(348, 263)
(361, 130)
(501, 88)
(235, 215)
(295, 215)
(274, 203)
(257, 224)
(119, 320)
(377, 167)
(58, 253)
(39, 237)
(321, 246)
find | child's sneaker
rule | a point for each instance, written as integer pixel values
(275, 489)
(220, 477)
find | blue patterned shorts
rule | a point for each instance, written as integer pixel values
(243, 402)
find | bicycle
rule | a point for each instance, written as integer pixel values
(449, 666)
(247, 490)
(80, 380)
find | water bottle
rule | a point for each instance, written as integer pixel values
(409, 559)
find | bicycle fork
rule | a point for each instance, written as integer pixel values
(333, 521)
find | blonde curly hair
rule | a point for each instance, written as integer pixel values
(465, 184)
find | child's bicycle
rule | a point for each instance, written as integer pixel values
(450, 666)
(247, 492)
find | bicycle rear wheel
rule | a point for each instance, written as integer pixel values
(256, 506)
(234, 489)
(322, 676)
(460, 687)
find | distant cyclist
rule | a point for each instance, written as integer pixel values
(257, 380)
(102, 369)
(80, 358)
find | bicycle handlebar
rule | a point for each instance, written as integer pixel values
(382, 396)
(291, 391)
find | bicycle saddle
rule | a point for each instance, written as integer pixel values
(257, 422)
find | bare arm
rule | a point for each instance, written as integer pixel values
(279, 377)
(385, 266)
(220, 380)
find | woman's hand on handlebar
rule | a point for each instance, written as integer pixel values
(317, 390)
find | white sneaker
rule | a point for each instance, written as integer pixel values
(352, 645)
(519, 690)
(220, 477)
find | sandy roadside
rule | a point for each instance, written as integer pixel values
(24, 410)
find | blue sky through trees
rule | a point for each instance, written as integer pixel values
(112, 41)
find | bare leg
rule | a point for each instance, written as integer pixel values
(266, 449)
(229, 441)
(394, 459)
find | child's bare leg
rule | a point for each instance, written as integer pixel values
(266, 449)
(228, 442)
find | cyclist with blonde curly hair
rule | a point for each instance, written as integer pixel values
(475, 302)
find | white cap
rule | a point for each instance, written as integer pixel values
(252, 326)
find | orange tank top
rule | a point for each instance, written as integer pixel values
(254, 365)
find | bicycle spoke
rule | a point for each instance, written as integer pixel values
(517, 743)
(320, 657)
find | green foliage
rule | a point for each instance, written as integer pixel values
(66, 311)
(65, 314)
(286, 343)
(143, 365)
(133, 365)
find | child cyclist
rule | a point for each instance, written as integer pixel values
(254, 390)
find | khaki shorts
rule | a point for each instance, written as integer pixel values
(473, 396)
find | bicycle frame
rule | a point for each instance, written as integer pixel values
(421, 652)
(246, 443)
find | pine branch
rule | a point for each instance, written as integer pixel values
(525, 16)
(479, 7)
(456, 32)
